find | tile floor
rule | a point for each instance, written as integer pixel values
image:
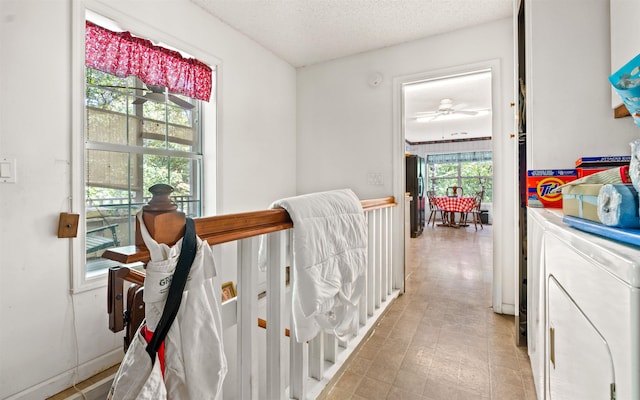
(441, 340)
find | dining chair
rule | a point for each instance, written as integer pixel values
(434, 209)
(475, 211)
(455, 191)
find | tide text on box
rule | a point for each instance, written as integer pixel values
(541, 185)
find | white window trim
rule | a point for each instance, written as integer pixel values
(78, 277)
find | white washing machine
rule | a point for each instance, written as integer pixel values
(592, 323)
(536, 304)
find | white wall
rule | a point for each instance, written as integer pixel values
(568, 95)
(346, 128)
(256, 147)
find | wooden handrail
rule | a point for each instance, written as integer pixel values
(215, 230)
(227, 228)
(373, 204)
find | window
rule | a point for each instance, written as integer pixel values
(473, 171)
(137, 134)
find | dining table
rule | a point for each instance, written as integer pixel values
(452, 205)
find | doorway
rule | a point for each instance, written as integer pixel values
(447, 123)
(452, 140)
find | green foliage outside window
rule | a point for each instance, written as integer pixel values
(472, 176)
(131, 147)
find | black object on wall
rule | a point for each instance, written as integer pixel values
(415, 180)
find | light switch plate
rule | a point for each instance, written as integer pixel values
(7, 170)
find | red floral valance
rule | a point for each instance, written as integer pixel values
(121, 54)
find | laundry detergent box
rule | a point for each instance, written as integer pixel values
(582, 172)
(581, 201)
(603, 161)
(592, 165)
(541, 184)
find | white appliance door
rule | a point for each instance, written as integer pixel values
(580, 364)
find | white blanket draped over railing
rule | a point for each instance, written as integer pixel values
(288, 369)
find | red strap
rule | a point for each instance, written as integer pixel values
(624, 174)
(147, 336)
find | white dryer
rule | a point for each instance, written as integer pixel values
(592, 324)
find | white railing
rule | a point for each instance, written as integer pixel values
(269, 364)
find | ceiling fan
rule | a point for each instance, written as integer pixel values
(446, 107)
(157, 93)
(154, 93)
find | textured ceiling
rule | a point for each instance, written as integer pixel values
(305, 32)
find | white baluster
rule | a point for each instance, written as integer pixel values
(389, 250)
(362, 303)
(330, 347)
(298, 352)
(247, 317)
(378, 265)
(371, 262)
(392, 275)
(316, 357)
(384, 264)
(275, 312)
(298, 367)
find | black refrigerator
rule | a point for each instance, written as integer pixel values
(415, 186)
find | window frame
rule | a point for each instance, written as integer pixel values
(458, 176)
(125, 228)
(80, 280)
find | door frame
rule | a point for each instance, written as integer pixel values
(505, 176)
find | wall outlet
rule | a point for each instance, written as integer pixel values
(375, 178)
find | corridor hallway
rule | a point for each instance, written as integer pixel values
(441, 340)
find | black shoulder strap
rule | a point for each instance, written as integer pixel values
(178, 282)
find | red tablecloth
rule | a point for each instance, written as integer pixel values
(455, 204)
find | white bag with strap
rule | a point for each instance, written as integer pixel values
(194, 360)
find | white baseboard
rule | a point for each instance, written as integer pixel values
(508, 309)
(97, 391)
(65, 380)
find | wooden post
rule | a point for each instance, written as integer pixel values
(161, 217)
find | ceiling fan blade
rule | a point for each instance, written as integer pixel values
(155, 93)
(181, 103)
(108, 86)
(156, 88)
(153, 96)
(157, 97)
(466, 112)
(139, 100)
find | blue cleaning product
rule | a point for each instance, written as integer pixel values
(618, 206)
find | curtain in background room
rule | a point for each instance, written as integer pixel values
(459, 157)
